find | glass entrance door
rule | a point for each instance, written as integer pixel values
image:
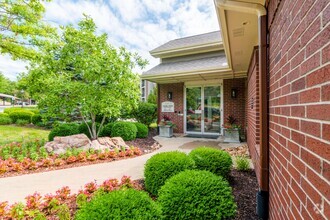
(203, 115)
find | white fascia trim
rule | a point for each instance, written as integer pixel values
(185, 73)
(245, 7)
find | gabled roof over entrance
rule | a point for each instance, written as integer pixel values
(189, 45)
(195, 58)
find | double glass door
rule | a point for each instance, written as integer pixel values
(203, 110)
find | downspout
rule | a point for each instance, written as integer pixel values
(261, 12)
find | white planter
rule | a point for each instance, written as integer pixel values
(165, 131)
(232, 136)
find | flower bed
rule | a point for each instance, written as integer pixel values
(32, 157)
(63, 204)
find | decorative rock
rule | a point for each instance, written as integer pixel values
(119, 142)
(96, 145)
(238, 151)
(107, 142)
(60, 144)
(81, 141)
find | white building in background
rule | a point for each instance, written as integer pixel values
(146, 89)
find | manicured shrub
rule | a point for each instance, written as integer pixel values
(162, 166)
(217, 161)
(36, 119)
(63, 130)
(194, 194)
(4, 120)
(142, 130)
(146, 113)
(3, 114)
(242, 163)
(120, 204)
(106, 130)
(83, 129)
(125, 130)
(22, 122)
(9, 110)
(21, 114)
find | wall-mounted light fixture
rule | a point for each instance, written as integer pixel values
(234, 93)
(169, 95)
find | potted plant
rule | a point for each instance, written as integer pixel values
(232, 130)
(166, 127)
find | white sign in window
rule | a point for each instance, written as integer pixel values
(167, 106)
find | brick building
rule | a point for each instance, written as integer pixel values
(278, 58)
(194, 76)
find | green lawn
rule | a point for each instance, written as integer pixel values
(11, 133)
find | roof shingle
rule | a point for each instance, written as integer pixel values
(212, 37)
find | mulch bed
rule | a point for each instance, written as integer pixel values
(245, 187)
(144, 145)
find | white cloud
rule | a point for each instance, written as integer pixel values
(11, 68)
(139, 25)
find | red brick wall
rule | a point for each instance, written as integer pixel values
(234, 106)
(253, 115)
(178, 96)
(299, 109)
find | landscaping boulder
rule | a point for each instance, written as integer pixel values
(60, 144)
(81, 141)
(119, 143)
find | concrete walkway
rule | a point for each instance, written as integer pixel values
(14, 189)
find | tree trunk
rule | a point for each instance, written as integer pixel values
(101, 126)
(94, 133)
(89, 129)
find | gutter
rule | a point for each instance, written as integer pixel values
(260, 11)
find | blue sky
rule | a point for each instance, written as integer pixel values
(139, 25)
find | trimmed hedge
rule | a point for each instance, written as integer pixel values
(162, 166)
(106, 130)
(125, 130)
(194, 194)
(142, 130)
(5, 120)
(216, 161)
(146, 113)
(9, 110)
(120, 204)
(4, 114)
(21, 114)
(22, 122)
(36, 119)
(83, 129)
(63, 130)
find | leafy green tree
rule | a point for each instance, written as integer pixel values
(21, 27)
(152, 98)
(81, 70)
(6, 85)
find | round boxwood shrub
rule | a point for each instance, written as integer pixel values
(36, 119)
(83, 129)
(106, 130)
(162, 166)
(120, 204)
(5, 120)
(194, 194)
(125, 130)
(21, 114)
(63, 130)
(142, 130)
(217, 161)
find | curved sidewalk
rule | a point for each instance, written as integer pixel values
(14, 189)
